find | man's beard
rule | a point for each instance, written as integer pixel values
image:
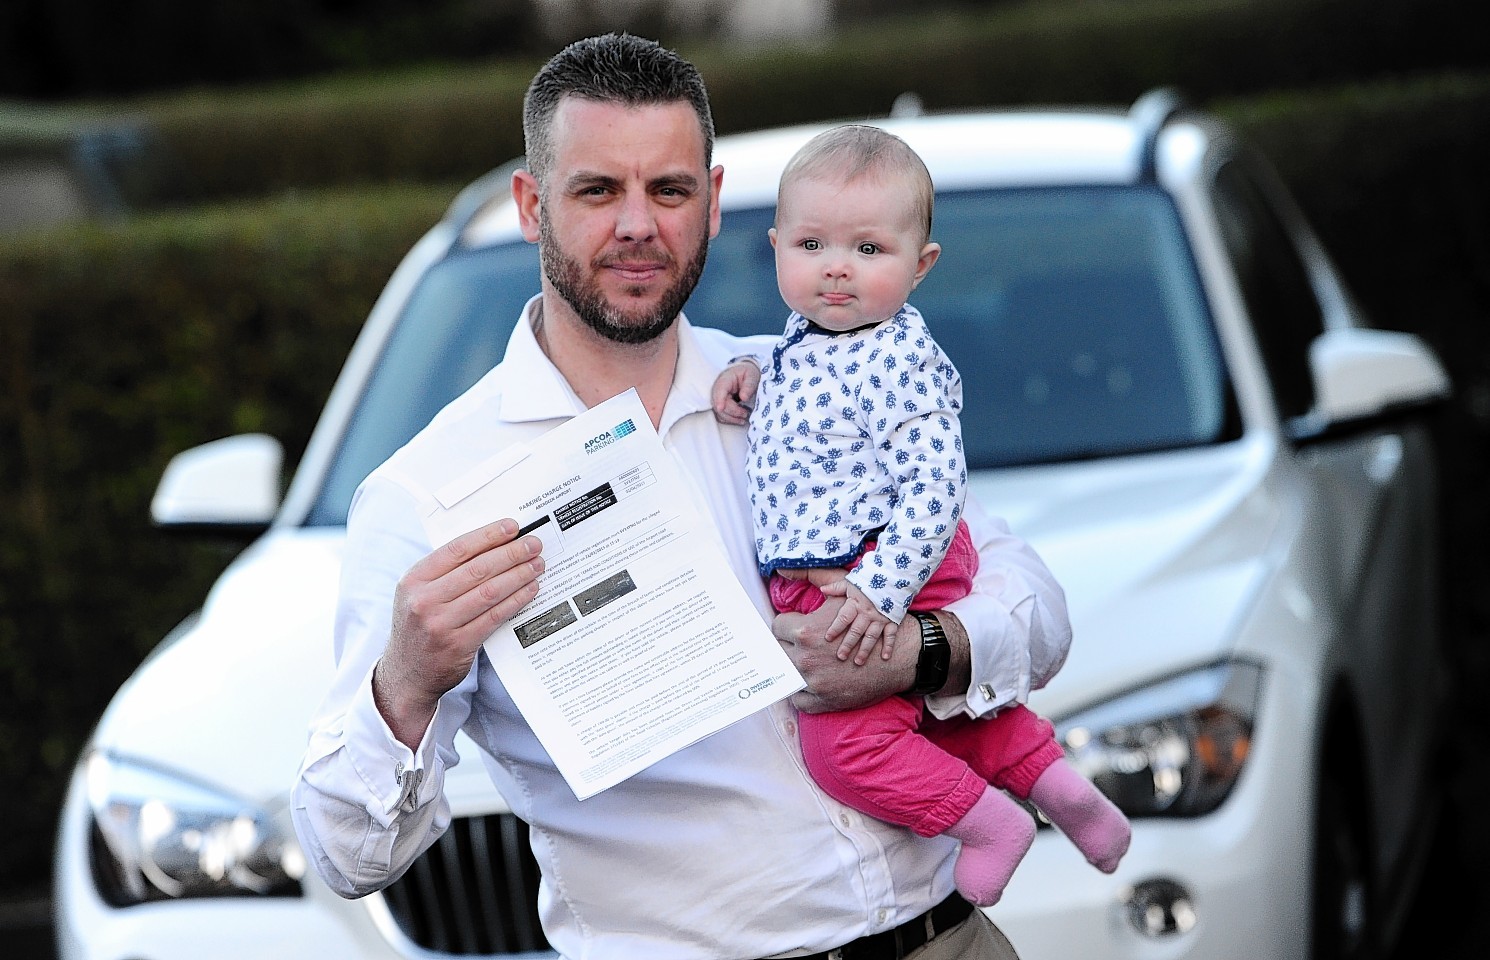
(583, 294)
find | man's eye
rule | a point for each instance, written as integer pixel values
(869, 249)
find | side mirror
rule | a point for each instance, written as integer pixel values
(229, 486)
(1361, 373)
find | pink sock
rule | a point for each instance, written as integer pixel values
(996, 833)
(1084, 815)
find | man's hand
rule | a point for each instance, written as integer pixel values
(834, 684)
(734, 392)
(444, 609)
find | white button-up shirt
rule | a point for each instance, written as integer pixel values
(724, 850)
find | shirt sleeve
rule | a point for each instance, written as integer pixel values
(364, 805)
(1018, 627)
(755, 348)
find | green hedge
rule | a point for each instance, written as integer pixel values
(438, 127)
(1393, 173)
(455, 123)
(120, 346)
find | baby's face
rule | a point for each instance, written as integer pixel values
(848, 254)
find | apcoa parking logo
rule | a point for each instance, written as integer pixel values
(600, 441)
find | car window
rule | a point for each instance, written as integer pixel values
(1074, 315)
(1286, 314)
(453, 329)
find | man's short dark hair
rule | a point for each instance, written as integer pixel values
(613, 68)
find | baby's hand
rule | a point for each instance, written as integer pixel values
(734, 392)
(860, 624)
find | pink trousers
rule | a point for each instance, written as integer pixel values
(895, 761)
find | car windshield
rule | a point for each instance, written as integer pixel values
(1074, 314)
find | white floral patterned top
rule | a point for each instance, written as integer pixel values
(856, 436)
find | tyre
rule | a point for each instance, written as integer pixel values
(1343, 912)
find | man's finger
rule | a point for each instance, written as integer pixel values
(488, 583)
(449, 556)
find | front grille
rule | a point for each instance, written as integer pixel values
(474, 893)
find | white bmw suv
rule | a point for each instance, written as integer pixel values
(1169, 393)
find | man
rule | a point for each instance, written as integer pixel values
(726, 849)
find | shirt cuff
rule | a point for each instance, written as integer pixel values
(756, 349)
(392, 773)
(1000, 672)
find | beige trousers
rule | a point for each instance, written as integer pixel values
(976, 938)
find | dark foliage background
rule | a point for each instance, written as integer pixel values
(58, 49)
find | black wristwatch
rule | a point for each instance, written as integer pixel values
(935, 663)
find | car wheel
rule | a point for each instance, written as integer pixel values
(1344, 924)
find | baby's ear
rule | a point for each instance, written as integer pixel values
(926, 261)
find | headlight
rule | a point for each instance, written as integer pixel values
(159, 837)
(1172, 749)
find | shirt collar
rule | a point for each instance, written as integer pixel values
(539, 391)
(693, 380)
(796, 323)
(536, 390)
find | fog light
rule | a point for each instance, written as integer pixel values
(1160, 908)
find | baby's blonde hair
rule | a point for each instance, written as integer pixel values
(856, 149)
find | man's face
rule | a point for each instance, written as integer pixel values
(624, 225)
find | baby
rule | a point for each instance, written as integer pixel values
(856, 462)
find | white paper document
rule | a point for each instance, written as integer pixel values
(640, 641)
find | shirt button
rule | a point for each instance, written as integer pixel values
(843, 819)
(791, 727)
(880, 916)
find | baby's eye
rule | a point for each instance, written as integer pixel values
(811, 245)
(869, 249)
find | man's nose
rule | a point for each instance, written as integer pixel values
(634, 220)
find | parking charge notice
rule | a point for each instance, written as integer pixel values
(640, 641)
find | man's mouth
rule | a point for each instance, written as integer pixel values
(634, 269)
(635, 273)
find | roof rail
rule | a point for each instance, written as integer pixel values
(476, 195)
(1149, 114)
(908, 104)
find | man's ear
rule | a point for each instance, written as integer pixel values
(526, 194)
(716, 181)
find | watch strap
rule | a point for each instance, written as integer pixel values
(935, 663)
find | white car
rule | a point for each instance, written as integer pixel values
(1168, 392)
